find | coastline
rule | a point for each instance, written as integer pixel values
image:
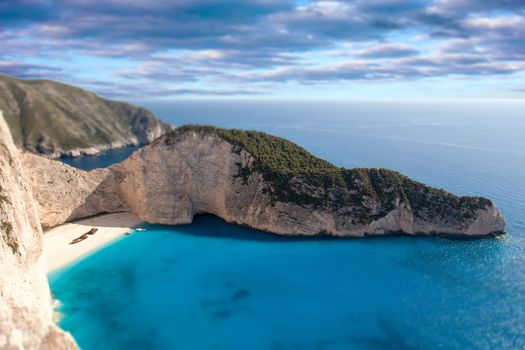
(95, 150)
(57, 251)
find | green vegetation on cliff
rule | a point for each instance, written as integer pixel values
(298, 176)
(275, 153)
(47, 116)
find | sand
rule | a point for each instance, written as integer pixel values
(58, 252)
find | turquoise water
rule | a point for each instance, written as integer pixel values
(211, 285)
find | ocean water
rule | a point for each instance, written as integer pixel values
(211, 285)
(103, 160)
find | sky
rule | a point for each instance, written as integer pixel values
(270, 49)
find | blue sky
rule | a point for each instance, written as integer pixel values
(347, 49)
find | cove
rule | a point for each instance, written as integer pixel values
(211, 285)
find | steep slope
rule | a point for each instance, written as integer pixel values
(26, 316)
(66, 193)
(56, 119)
(261, 181)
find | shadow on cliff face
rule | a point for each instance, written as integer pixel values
(212, 226)
(104, 219)
(106, 198)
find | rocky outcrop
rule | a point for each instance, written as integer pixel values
(66, 193)
(56, 119)
(199, 171)
(283, 190)
(26, 315)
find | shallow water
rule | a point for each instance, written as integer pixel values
(211, 285)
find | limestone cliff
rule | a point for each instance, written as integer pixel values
(66, 193)
(56, 119)
(26, 315)
(260, 181)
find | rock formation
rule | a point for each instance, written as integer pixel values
(56, 119)
(260, 181)
(26, 315)
(66, 193)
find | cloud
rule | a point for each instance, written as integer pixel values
(225, 42)
(23, 70)
(402, 69)
(458, 8)
(131, 92)
(387, 51)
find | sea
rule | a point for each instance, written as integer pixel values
(212, 285)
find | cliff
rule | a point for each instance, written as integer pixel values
(26, 315)
(66, 193)
(260, 181)
(56, 119)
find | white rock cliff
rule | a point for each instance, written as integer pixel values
(177, 177)
(26, 315)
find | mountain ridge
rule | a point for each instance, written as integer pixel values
(56, 119)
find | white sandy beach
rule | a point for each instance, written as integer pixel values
(59, 253)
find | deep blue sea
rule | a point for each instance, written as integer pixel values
(211, 285)
(100, 161)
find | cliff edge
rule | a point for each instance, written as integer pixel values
(26, 315)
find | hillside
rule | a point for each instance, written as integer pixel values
(56, 119)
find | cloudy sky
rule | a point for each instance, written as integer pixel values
(348, 49)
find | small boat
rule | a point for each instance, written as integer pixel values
(84, 236)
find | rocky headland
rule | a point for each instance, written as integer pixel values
(55, 119)
(257, 180)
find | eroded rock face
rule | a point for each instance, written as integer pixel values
(184, 174)
(65, 193)
(26, 315)
(179, 176)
